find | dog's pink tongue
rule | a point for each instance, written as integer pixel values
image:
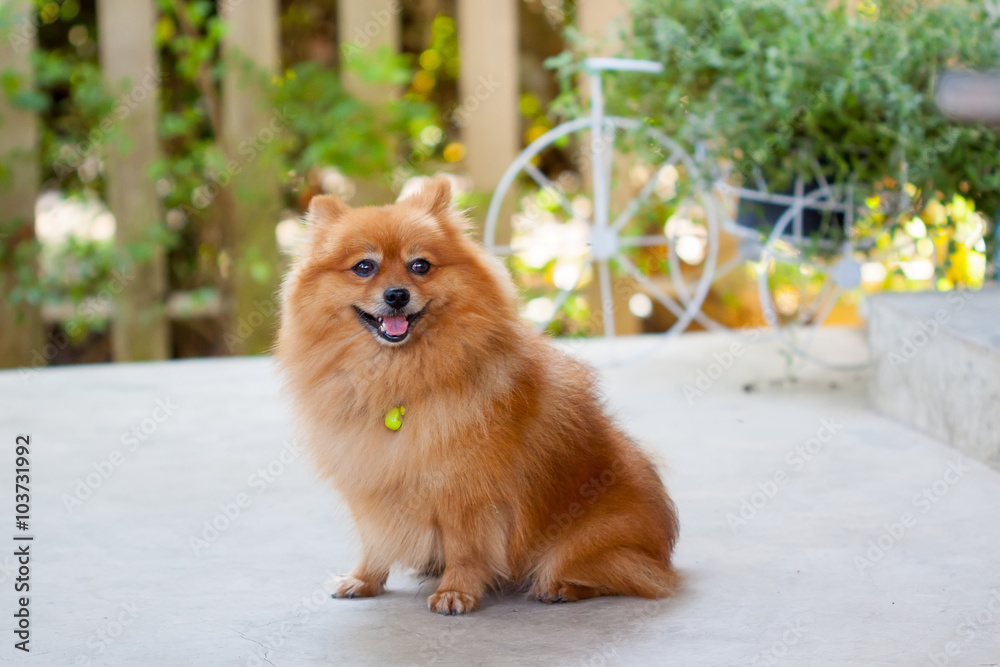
(395, 325)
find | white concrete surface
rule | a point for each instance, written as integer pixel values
(115, 580)
(937, 366)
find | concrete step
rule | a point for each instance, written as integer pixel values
(937, 366)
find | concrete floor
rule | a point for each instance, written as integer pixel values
(129, 572)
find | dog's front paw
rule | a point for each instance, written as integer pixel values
(351, 587)
(452, 603)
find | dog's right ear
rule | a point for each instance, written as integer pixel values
(324, 209)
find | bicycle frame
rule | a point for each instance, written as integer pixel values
(601, 182)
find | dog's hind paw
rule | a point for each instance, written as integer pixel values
(559, 592)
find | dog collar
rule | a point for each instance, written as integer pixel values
(394, 418)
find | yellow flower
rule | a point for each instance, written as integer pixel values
(454, 151)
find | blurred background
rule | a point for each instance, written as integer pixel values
(156, 156)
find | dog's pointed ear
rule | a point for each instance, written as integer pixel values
(437, 196)
(324, 209)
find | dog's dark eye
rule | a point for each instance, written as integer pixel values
(365, 267)
(420, 266)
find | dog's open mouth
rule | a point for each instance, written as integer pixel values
(394, 327)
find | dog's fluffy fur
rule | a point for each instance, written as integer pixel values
(506, 468)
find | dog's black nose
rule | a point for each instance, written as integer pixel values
(397, 297)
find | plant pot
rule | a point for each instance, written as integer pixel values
(764, 215)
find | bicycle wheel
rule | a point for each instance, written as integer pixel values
(806, 285)
(651, 252)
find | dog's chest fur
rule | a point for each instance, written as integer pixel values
(399, 484)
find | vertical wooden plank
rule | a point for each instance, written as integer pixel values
(249, 125)
(488, 88)
(363, 28)
(601, 22)
(140, 329)
(20, 325)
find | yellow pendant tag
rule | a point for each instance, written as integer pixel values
(394, 418)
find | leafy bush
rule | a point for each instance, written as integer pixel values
(781, 84)
(329, 127)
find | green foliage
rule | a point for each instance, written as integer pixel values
(435, 79)
(71, 99)
(329, 127)
(73, 272)
(319, 125)
(779, 85)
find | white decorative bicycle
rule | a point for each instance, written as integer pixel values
(661, 245)
(808, 262)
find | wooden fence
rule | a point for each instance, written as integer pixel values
(142, 308)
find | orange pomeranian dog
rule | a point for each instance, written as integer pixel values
(465, 445)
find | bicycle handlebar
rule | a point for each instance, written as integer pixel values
(622, 65)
